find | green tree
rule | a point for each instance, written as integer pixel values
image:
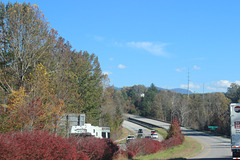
(147, 100)
(87, 85)
(233, 92)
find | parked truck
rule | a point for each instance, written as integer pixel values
(235, 129)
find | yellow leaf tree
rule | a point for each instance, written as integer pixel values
(41, 87)
(37, 107)
(15, 117)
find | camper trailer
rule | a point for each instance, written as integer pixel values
(88, 129)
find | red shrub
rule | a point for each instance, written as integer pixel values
(123, 154)
(111, 149)
(148, 146)
(143, 146)
(130, 155)
(95, 148)
(175, 130)
(35, 145)
(83, 156)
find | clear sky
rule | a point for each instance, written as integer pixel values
(154, 41)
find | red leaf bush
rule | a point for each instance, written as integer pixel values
(42, 145)
(35, 145)
(175, 130)
(143, 146)
(95, 148)
(111, 149)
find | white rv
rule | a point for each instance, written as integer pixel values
(96, 131)
(235, 129)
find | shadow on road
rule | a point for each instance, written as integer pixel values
(193, 133)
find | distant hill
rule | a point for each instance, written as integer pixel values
(182, 91)
(117, 88)
(177, 90)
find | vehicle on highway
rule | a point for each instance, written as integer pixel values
(235, 129)
(130, 137)
(140, 133)
(153, 131)
(154, 136)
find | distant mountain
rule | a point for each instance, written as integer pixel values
(177, 90)
(117, 88)
(180, 90)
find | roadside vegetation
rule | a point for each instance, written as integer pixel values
(125, 133)
(189, 148)
(162, 132)
(146, 146)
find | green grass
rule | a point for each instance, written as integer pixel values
(189, 148)
(162, 132)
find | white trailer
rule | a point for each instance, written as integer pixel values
(235, 129)
(96, 131)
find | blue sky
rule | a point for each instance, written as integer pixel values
(154, 41)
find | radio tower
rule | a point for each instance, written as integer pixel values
(188, 84)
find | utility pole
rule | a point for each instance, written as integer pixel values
(203, 91)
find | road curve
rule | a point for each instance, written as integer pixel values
(214, 147)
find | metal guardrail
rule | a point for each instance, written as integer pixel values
(144, 124)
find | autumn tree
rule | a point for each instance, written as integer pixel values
(15, 117)
(36, 107)
(112, 111)
(42, 90)
(54, 77)
(25, 40)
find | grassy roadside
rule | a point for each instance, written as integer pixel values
(162, 132)
(189, 148)
(125, 133)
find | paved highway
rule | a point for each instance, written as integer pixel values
(134, 127)
(213, 147)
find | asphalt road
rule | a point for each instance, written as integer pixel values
(134, 128)
(213, 147)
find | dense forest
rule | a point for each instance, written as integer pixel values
(197, 111)
(42, 77)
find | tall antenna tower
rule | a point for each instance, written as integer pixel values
(188, 84)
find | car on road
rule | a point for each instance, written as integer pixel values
(140, 131)
(130, 137)
(154, 136)
(153, 131)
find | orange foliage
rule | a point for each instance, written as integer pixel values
(36, 108)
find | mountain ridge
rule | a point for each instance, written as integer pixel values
(177, 90)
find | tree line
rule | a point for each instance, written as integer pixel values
(42, 77)
(197, 111)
